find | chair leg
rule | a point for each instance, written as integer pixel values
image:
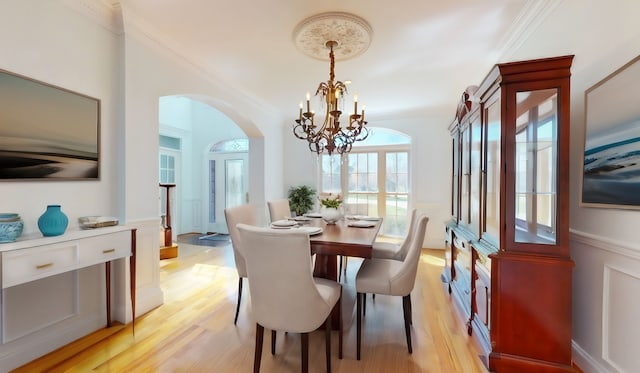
(364, 304)
(327, 338)
(340, 326)
(273, 342)
(235, 320)
(304, 337)
(406, 306)
(346, 262)
(258, 351)
(341, 258)
(358, 323)
(410, 310)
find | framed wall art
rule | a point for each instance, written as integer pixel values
(611, 167)
(47, 132)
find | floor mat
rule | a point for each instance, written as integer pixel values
(215, 237)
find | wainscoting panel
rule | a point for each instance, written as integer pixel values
(620, 317)
(606, 284)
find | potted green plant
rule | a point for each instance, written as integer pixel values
(301, 199)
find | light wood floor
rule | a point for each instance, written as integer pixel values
(193, 330)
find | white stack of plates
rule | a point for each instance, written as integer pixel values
(362, 223)
(280, 224)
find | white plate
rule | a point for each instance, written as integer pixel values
(362, 224)
(364, 217)
(311, 230)
(301, 218)
(284, 223)
(313, 215)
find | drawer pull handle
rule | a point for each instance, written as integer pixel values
(108, 251)
(43, 266)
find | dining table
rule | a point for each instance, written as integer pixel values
(340, 239)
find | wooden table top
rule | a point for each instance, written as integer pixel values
(340, 239)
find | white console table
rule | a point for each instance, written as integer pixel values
(33, 257)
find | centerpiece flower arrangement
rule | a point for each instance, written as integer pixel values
(331, 201)
(330, 211)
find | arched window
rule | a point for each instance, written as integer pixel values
(231, 146)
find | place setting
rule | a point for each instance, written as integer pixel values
(292, 224)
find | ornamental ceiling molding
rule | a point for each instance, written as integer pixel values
(352, 33)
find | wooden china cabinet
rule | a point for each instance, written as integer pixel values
(508, 267)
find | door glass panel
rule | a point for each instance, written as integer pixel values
(397, 188)
(212, 191)
(331, 173)
(234, 182)
(535, 167)
(492, 171)
(362, 181)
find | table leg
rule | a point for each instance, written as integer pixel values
(107, 270)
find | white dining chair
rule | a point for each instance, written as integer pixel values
(239, 214)
(279, 209)
(390, 277)
(391, 250)
(286, 297)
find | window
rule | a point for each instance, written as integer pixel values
(373, 178)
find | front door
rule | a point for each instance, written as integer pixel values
(227, 185)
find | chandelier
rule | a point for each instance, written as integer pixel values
(352, 36)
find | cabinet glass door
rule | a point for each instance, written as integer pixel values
(466, 176)
(476, 145)
(491, 169)
(536, 166)
(455, 179)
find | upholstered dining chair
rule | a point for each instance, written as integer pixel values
(390, 250)
(234, 215)
(287, 297)
(391, 277)
(279, 209)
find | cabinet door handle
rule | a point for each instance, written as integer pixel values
(107, 251)
(43, 266)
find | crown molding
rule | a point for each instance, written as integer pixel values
(532, 16)
(106, 13)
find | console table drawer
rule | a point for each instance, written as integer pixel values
(100, 250)
(26, 265)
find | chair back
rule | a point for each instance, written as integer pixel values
(284, 295)
(245, 214)
(404, 247)
(403, 280)
(279, 209)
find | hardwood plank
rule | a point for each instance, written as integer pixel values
(193, 330)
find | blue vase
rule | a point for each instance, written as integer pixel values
(53, 222)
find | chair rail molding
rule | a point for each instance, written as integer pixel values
(603, 243)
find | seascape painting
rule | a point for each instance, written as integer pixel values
(46, 132)
(611, 168)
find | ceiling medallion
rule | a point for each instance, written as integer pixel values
(351, 33)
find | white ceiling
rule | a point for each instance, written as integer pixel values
(422, 56)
